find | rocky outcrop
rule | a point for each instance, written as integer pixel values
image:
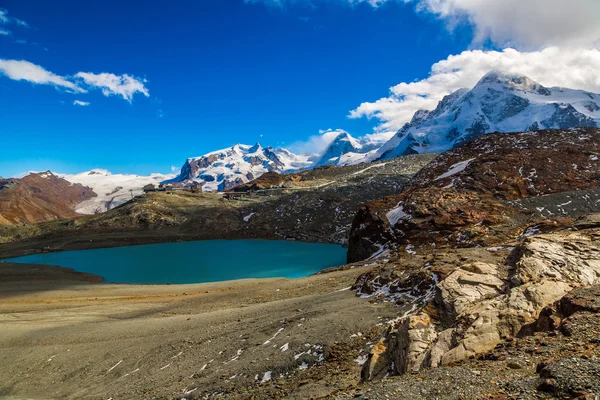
(475, 308)
(473, 195)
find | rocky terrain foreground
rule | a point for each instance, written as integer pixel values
(528, 196)
(477, 279)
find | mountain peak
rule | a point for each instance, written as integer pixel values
(224, 169)
(512, 81)
(255, 148)
(499, 102)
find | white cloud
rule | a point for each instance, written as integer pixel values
(5, 32)
(316, 144)
(111, 84)
(573, 68)
(81, 103)
(525, 24)
(125, 86)
(6, 19)
(21, 70)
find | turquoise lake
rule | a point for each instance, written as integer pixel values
(197, 262)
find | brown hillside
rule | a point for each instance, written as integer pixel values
(39, 197)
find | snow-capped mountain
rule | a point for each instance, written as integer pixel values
(112, 189)
(227, 168)
(498, 103)
(346, 150)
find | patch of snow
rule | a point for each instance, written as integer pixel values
(273, 337)
(396, 214)
(360, 360)
(266, 377)
(344, 289)
(455, 169)
(247, 217)
(115, 366)
(368, 168)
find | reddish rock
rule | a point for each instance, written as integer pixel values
(39, 197)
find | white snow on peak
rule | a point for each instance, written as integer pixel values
(498, 103)
(347, 150)
(224, 169)
(112, 189)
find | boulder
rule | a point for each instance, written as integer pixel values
(477, 309)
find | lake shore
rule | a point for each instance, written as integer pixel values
(66, 337)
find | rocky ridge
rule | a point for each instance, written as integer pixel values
(486, 192)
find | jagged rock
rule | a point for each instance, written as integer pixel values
(442, 344)
(377, 364)
(463, 288)
(366, 234)
(581, 299)
(574, 258)
(477, 310)
(414, 336)
(548, 320)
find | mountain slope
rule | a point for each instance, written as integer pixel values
(227, 168)
(480, 194)
(498, 103)
(39, 197)
(343, 150)
(112, 189)
(347, 150)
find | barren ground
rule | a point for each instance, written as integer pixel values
(66, 338)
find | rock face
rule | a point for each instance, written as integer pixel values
(474, 194)
(39, 197)
(474, 309)
(489, 193)
(498, 103)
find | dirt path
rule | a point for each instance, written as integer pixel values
(98, 341)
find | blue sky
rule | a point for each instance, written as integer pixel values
(219, 72)
(212, 74)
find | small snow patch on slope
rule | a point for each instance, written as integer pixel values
(368, 168)
(396, 214)
(455, 169)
